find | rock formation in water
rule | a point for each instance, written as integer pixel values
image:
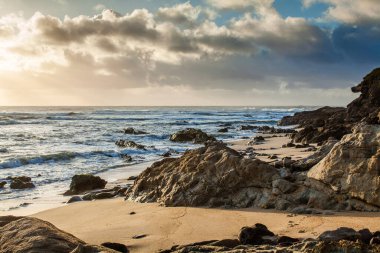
(83, 183)
(196, 136)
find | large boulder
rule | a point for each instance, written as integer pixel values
(352, 168)
(214, 175)
(26, 234)
(85, 182)
(191, 135)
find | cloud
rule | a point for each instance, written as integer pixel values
(350, 11)
(183, 48)
(243, 5)
(180, 14)
(99, 7)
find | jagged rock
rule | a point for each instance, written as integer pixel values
(214, 175)
(316, 118)
(22, 182)
(284, 186)
(247, 127)
(375, 241)
(339, 234)
(2, 184)
(352, 167)
(86, 182)
(26, 234)
(308, 162)
(191, 135)
(254, 235)
(131, 130)
(129, 144)
(287, 241)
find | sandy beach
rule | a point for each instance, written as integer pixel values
(110, 220)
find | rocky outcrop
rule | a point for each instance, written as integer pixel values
(26, 234)
(259, 239)
(129, 144)
(2, 184)
(212, 176)
(316, 118)
(352, 168)
(86, 182)
(191, 135)
(307, 163)
(217, 176)
(326, 122)
(21, 183)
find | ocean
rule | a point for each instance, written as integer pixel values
(52, 144)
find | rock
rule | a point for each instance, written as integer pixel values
(284, 186)
(248, 127)
(21, 183)
(365, 235)
(259, 139)
(116, 246)
(85, 182)
(104, 195)
(2, 184)
(289, 145)
(191, 135)
(132, 178)
(26, 234)
(92, 249)
(254, 235)
(213, 175)
(339, 234)
(352, 167)
(375, 241)
(131, 130)
(327, 122)
(286, 240)
(167, 154)
(223, 130)
(129, 144)
(308, 162)
(316, 118)
(126, 157)
(139, 236)
(74, 199)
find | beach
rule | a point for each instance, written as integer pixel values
(100, 221)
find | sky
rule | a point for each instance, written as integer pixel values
(185, 53)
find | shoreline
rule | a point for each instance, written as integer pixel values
(168, 226)
(119, 176)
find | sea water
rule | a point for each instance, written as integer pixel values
(52, 144)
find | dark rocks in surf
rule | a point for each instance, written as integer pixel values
(21, 183)
(223, 130)
(131, 130)
(2, 184)
(85, 182)
(129, 144)
(196, 136)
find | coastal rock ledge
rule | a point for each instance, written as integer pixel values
(218, 176)
(352, 167)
